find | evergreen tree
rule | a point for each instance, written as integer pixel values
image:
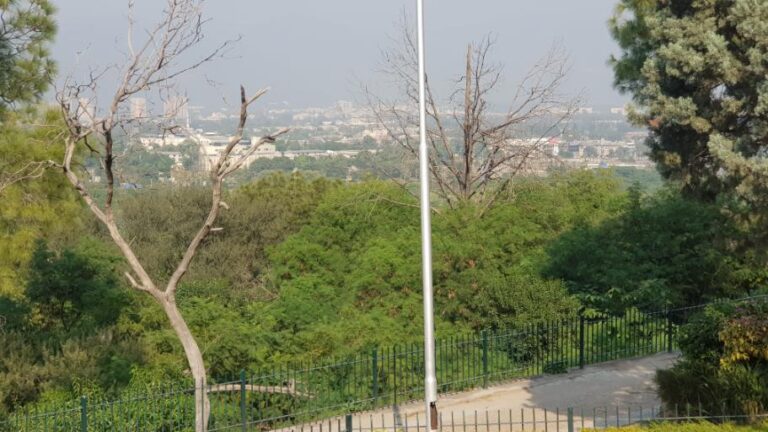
(697, 74)
(26, 29)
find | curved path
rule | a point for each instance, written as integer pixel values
(521, 404)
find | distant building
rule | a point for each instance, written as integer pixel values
(177, 108)
(379, 135)
(619, 111)
(265, 151)
(636, 136)
(139, 108)
(553, 146)
(155, 141)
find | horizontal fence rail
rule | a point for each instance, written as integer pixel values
(301, 393)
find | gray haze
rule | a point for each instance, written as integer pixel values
(313, 52)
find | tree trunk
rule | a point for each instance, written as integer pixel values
(195, 360)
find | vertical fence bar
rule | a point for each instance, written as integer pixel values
(375, 376)
(581, 341)
(83, 414)
(242, 401)
(669, 331)
(485, 358)
(394, 374)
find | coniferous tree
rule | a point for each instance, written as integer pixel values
(26, 30)
(697, 74)
(696, 71)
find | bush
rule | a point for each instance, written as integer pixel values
(724, 368)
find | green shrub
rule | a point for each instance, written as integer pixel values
(723, 368)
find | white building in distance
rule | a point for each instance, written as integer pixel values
(177, 108)
(139, 108)
(159, 141)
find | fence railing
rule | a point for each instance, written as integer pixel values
(300, 393)
(570, 419)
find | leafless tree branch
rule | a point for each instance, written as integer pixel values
(150, 65)
(473, 158)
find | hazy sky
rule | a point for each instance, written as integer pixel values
(315, 52)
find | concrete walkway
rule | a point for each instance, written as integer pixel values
(510, 406)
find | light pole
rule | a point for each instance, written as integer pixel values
(430, 380)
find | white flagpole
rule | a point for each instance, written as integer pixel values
(430, 380)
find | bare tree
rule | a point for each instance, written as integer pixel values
(151, 66)
(474, 152)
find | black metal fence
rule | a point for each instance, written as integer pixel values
(300, 393)
(527, 419)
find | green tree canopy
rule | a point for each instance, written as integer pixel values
(26, 67)
(696, 71)
(663, 251)
(76, 288)
(161, 222)
(350, 279)
(36, 207)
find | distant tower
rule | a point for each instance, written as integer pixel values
(177, 108)
(345, 108)
(139, 108)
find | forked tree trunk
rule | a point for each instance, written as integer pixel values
(195, 360)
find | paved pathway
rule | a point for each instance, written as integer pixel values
(623, 383)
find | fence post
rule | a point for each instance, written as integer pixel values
(571, 428)
(243, 419)
(374, 375)
(581, 341)
(348, 421)
(83, 414)
(669, 331)
(485, 358)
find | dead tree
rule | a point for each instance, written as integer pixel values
(151, 66)
(474, 153)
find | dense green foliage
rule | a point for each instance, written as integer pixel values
(26, 68)
(696, 71)
(60, 335)
(647, 180)
(383, 163)
(161, 223)
(663, 251)
(724, 361)
(77, 289)
(308, 268)
(43, 208)
(303, 268)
